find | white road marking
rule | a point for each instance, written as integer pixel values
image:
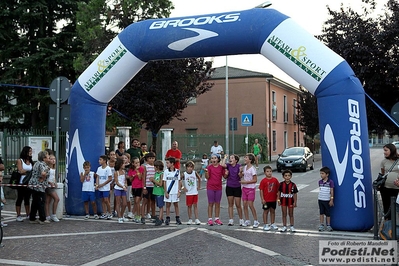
(240, 242)
(301, 186)
(27, 263)
(144, 245)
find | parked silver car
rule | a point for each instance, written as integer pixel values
(295, 158)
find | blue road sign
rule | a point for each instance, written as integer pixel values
(247, 120)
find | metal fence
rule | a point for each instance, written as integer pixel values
(12, 143)
(193, 146)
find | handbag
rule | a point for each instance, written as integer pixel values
(386, 230)
(14, 179)
(381, 178)
(27, 177)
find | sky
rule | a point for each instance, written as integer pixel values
(309, 14)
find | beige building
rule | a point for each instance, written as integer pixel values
(271, 101)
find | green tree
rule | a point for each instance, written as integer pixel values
(162, 90)
(307, 117)
(37, 44)
(369, 43)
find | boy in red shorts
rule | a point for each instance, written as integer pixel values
(191, 185)
(268, 189)
(287, 199)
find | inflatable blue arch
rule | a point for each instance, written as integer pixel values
(340, 95)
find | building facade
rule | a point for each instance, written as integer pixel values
(271, 101)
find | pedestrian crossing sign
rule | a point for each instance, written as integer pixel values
(247, 120)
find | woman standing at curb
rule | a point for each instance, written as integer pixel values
(24, 165)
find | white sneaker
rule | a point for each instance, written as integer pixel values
(247, 223)
(266, 227)
(96, 216)
(241, 222)
(283, 229)
(148, 216)
(120, 220)
(87, 217)
(197, 222)
(231, 222)
(54, 218)
(130, 215)
(292, 228)
(256, 224)
(125, 220)
(273, 227)
(189, 222)
(20, 219)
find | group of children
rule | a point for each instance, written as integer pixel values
(151, 185)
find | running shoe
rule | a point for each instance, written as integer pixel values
(54, 218)
(189, 222)
(218, 222)
(231, 222)
(103, 216)
(283, 229)
(96, 216)
(142, 220)
(109, 216)
(120, 220)
(241, 222)
(87, 217)
(148, 216)
(321, 228)
(130, 215)
(210, 222)
(19, 218)
(197, 222)
(256, 224)
(329, 228)
(273, 227)
(266, 227)
(167, 221)
(292, 228)
(178, 220)
(247, 223)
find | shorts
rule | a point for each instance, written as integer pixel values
(137, 192)
(103, 194)
(248, 194)
(214, 196)
(172, 198)
(269, 205)
(149, 194)
(159, 201)
(324, 207)
(88, 196)
(233, 192)
(191, 199)
(50, 190)
(119, 193)
(202, 171)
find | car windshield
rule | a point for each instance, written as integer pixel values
(293, 151)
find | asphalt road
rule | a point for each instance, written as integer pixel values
(75, 241)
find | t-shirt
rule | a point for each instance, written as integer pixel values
(150, 173)
(287, 193)
(325, 189)
(216, 150)
(175, 154)
(158, 190)
(233, 180)
(215, 177)
(248, 176)
(269, 188)
(121, 181)
(103, 174)
(136, 183)
(51, 176)
(88, 183)
(172, 180)
(190, 183)
(134, 152)
(256, 149)
(386, 164)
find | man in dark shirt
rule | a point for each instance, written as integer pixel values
(134, 151)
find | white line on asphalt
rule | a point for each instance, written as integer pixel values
(301, 186)
(85, 233)
(240, 242)
(137, 248)
(317, 190)
(27, 263)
